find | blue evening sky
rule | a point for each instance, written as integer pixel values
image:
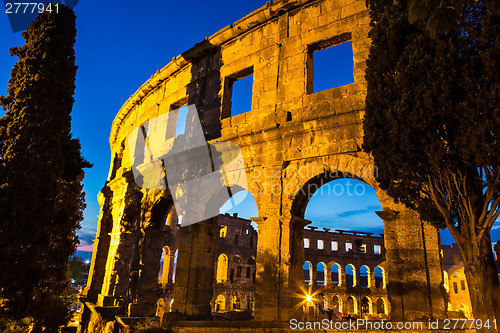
(120, 45)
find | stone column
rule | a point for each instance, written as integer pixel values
(101, 248)
(280, 257)
(151, 248)
(413, 271)
(124, 215)
(314, 275)
(117, 277)
(194, 275)
(342, 276)
(328, 274)
(372, 278)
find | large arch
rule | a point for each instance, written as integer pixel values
(425, 251)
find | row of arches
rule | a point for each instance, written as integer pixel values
(348, 276)
(233, 302)
(352, 305)
(223, 264)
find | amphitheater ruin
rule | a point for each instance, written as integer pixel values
(306, 138)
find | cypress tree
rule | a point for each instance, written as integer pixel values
(432, 124)
(41, 170)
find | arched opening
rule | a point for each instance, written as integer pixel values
(379, 277)
(350, 275)
(366, 307)
(320, 274)
(335, 274)
(222, 264)
(381, 306)
(364, 277)
(344, 229)
(350, 306)
(308, 274)
(220, 303)
(336, 304)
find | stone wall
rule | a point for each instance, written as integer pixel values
(293, 140)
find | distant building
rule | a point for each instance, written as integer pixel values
(234, 286)
(455, 282)
(344, 272)
(343, 269)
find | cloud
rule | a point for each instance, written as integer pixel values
(350, 213)
(86, 235)
(85, 246)
(366, 224)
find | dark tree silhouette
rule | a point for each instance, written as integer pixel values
(41, 170)
(432, 124)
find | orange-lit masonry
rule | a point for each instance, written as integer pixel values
(305, 139)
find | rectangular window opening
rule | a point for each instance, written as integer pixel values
(306, 243)
(348, 247)
(320, 244)
(238, 93)
(335, 246)
(330, 64)
(376, 249)
(248, 272)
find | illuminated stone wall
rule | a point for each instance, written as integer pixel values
(291, 139)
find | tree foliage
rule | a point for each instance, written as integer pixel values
(432, 120)
(76, 268)
(41, 169)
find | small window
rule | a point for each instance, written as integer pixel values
(238, 271)
(348, 247)
(231, 275)
(246, 231)
(455, 287)
(181, 120)
(306, 243)
(335, 246)
(249, 270)
(223, 231)
(462, 284)
(330, 63)
(376, 249)
(238, 93)
(362, 248)
(320, 244)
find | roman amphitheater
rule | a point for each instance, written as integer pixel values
(293, 140)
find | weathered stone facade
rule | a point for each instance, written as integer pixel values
(292, 140)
